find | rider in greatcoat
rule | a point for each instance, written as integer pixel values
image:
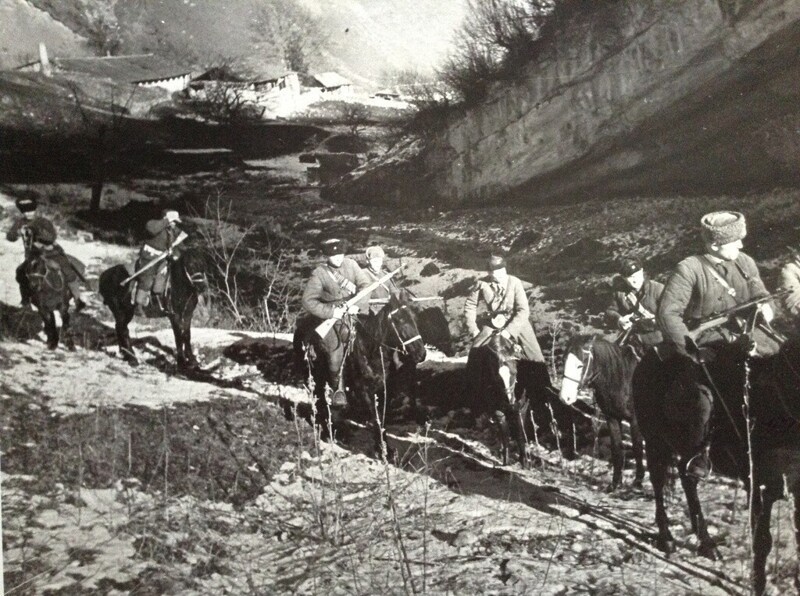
(39, 237)
(790, 280)
(702, 285)
(331, 284)
(506, 310)
(634, 305)
(375, 271)
(163, 233)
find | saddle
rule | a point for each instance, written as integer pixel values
(159, 303)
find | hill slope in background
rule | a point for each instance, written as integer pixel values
(22, 26)
(361, 38)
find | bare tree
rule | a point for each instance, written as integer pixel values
(103, 32)
(104, 129)
(292, 33)
(355, 116)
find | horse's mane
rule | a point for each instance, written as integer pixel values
(613, 365)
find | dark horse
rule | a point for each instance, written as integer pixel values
(492, 376)
(47, 287)
(186, 279)
(774, 411)
(607, 368)
(381, 347)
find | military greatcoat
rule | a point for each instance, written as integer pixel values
(509, 300)
(694, 290)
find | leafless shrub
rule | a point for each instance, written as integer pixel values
(497, 37)
(226, 103)
(355, 116)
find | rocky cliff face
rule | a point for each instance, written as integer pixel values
(628, 96)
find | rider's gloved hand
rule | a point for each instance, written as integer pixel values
(339, 312)
(625, 322)
(353, 310)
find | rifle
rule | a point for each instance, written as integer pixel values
(181, 237)
(623, 336)
(324, 328)
(698, 326)
(413, 299)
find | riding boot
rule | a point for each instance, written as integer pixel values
(75, 290)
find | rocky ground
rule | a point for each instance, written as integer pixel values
(143, 480)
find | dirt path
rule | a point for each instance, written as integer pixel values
(448, 519)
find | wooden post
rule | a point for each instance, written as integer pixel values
(44, 62)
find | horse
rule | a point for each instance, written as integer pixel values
(187, 279)
(381, 347)
(492, 376)
(607, 368)
(773, 399)
(46, 285)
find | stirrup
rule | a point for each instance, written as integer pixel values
(338, 398)
(699, 465)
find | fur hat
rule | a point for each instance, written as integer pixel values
(629, 266)
(26, 204)
(332, 246)
(375, 252)
(495, 262)
(723, 227)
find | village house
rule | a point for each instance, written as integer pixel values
(142, 70)
(332, 83)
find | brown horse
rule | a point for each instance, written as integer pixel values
(605, 367)
(492, 377)
(774, 410)
(186, 280)
(381, 347)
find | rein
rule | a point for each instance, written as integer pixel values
(585, 377)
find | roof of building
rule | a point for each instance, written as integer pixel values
(331, 80)
(139, 68)
(269, 73)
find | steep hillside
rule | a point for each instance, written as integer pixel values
(361, 38)
(369, 37)
(625, 97)
(22, 26)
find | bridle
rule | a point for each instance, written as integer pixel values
(403, 343)
(586, 377)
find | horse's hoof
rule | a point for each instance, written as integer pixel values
(709, 551)
(666, 545)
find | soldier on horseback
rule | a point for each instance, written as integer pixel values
(163, 234)
(331, 284)
(375, 271)
(507, 311)
(790, 281)
(39, 237)
(634, 305)
(702, 286)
